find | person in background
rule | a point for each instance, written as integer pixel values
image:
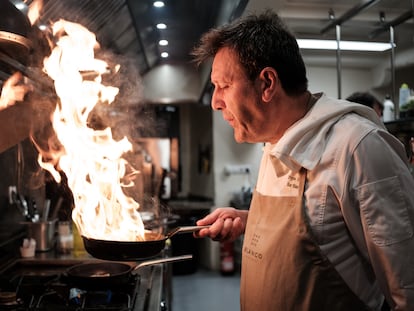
(367, 99)
(330, 225)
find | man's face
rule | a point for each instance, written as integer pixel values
(236, 97)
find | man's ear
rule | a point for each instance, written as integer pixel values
(269, 83)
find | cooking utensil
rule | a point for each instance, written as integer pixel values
(132, 250)
(103, 274)
(57, 208)
(43, 232)
(46, 210)
(33, 74)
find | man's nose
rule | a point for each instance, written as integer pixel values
(216, 102)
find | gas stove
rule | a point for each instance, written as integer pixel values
(43, 284)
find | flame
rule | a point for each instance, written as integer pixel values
(34, 11)
(91, 159)
(13, 91)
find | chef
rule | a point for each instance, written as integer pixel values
(330, 226)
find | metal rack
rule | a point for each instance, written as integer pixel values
(384, 26)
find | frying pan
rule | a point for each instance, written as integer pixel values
(132, 250)
(96, 275)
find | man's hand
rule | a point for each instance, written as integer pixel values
(227, 224)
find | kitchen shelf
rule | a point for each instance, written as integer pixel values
(403, 129)
(401, 126)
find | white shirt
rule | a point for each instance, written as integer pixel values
(359, 196)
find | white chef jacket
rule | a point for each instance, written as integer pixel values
(359, 196)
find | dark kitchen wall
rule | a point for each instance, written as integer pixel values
(196, 151)
(162, 121)
(19, 168)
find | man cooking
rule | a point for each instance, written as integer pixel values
(330, 226)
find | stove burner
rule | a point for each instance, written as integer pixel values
(8, 299)
(27, 286)
(49, 290)
(83, 300)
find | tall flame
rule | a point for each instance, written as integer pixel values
(34, 11)
(91, 159)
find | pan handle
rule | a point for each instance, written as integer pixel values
(162, 261)
(186, 229)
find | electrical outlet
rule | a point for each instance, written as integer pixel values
(12, 192)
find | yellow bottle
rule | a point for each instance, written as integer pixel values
(78, 247)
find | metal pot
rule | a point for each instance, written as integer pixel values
(132, 250)
(96, 275)
(15, 29)
(43, 232)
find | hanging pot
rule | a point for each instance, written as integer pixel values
(15, 30)
(132, 250)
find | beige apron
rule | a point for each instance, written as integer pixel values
(283, 268)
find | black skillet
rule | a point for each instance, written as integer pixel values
(101, 275)
(132, 250)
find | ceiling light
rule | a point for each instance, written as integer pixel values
(20, 5)
(163, 42)
(164, 54)
(343, 45)
(158, 4)
(161, 26)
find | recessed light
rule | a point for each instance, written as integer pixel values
(161, 26)
(163, 42)
(164, 54)
(158, 4)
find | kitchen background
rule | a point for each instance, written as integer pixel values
(206, 167)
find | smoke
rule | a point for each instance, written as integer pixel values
(126, 116)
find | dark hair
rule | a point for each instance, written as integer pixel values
(260, 41)
(364, 98)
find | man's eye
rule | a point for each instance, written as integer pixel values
(219, 86)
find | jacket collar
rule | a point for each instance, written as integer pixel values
(303, 143)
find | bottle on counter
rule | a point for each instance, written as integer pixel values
(65, 237)
(388, 113)
(78, 247)
(404, 95)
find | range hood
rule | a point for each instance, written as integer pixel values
(128, 28)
